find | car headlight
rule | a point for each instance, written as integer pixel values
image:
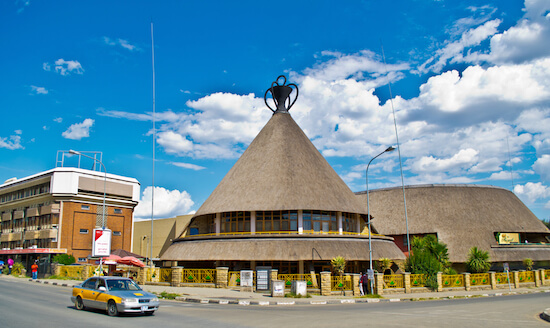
(154, 299)
(129, 300)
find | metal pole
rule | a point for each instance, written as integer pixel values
(154, 141)
(368, 212)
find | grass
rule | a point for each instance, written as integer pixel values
(61, 278)
(292, 295)
(371, 296)
(168, 296)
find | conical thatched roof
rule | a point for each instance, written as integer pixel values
(463, 216)
(281, 170)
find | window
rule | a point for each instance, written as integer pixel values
(81, 259)
(193, 231)
(117, 233)
(83, 231)
(235, 222)
(276, 221)
(85, 207)
(118, 211)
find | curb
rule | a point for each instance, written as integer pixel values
(545, 315)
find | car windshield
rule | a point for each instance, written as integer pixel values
(122, 284)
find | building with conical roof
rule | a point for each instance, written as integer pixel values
(281, 205)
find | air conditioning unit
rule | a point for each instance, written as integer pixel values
(34, 246)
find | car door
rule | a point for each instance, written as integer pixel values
(102, 296)
(88, 292)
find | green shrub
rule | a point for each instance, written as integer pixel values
(528, 263)
(429, 256)
(64, 259)
(17, 269)
(478, 261)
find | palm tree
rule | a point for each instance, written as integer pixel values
(478, 261)
(528, 263)
(339, 265)
(384, 264)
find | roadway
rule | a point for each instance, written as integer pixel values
(27, 304)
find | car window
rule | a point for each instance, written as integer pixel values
(122, 284)
(90, 283)
(100, 283)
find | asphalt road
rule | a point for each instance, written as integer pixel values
(27, 304)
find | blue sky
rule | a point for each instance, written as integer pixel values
(470, 83)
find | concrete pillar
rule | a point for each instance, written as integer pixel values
(177, 276)
(85, 273)
(253, 222)
(222, 274)
(339, 219)
(142, 275)
(407, 282)
(274, 274)
(379, 283)
(325, 284)
(467, 282)
(516, 278)
(543, 279)
(537, 277)
(440, 281)
(355, 284)
(493, 277)
(358, 221)
(300, 222)
(301, 267)
(253, 265)
(217, 223)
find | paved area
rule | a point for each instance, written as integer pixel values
(231, 296)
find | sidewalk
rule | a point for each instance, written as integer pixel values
(228, 296)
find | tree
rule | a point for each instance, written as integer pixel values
(478, 261)
(64, 259)
(528, 263)
(429, 256)
(339, 265)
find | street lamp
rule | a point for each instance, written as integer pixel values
(74, 152)
(389, 149)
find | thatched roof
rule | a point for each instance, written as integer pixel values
(463, 216)
(281, 170)
(281, 249)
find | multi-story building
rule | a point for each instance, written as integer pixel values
(56, 211)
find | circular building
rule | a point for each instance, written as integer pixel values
(281, 205)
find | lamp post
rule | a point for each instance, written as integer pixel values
(389, 149)
(74, 152)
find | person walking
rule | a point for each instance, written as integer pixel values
(10, 265)
(361, 284)
(34, 269)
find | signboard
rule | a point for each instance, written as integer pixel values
(102, 243)
(370, 273)
(508, 238)
(247, 278)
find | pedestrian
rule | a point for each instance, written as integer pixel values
(365, 284)
(361, 284)
(34, 269)
(10, 265)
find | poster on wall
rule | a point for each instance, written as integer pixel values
(102, 243)
(508, 238)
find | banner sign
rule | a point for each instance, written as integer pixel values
(508, 238)
(102, 243)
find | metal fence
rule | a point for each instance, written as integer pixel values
(199, 276)
(394, 281)
(312, 280)
(502, 277)
(343, 283)
(480, 279)
(418, 280)
(455, 280)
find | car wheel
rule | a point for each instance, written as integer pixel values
(112, 309)
(78, 303)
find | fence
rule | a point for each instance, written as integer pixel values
(526, 276)
(393, 281)
(199, 276)
(455, 280)
(480, 279)
(338, 283)
(312, 280)
(418, 280)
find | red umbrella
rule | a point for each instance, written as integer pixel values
(111, 259)
(130, 260)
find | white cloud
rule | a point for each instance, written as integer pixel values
(464, 159)
(168, 203)
(12, 142)
(531, 192)
(58, 119)
(78, 131)
(542, 167)
(39, 90)
(188, 166)
(120, 42)
(65, 67)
